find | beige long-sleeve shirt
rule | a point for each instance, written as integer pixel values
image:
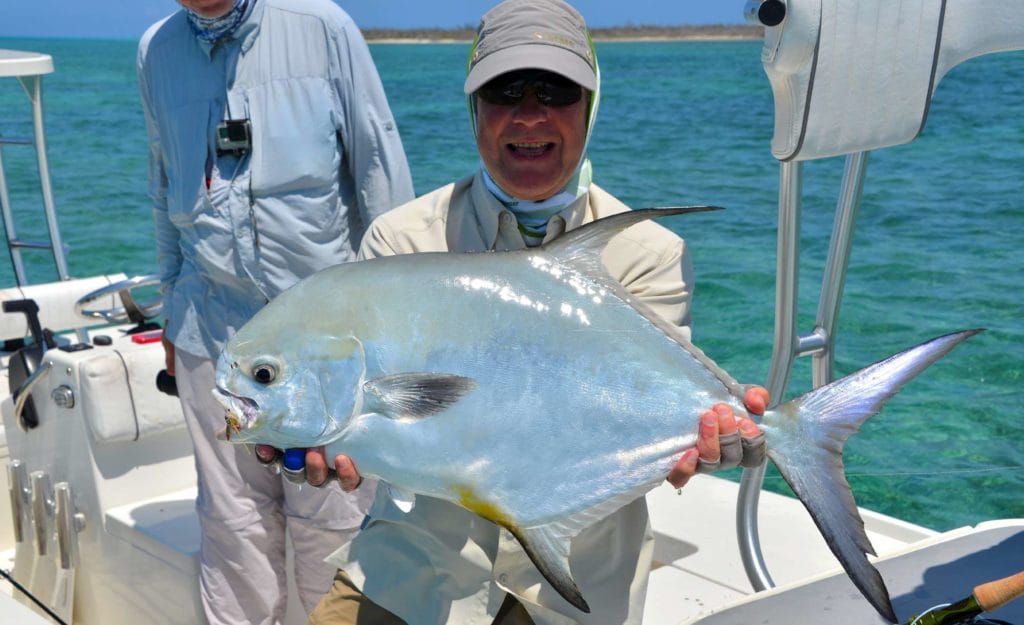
(439, 563)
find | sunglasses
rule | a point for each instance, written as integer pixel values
(551, 89)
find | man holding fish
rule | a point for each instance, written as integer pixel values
(533, 89)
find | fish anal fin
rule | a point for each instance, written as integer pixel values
(548, 549)
(415, 395)
(546, 545)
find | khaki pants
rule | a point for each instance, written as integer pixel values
(345, 605)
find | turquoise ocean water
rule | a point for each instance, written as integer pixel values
(937, 247)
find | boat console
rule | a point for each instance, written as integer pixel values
(104, 467)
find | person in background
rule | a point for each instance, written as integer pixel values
(272, 147)
(533, 89)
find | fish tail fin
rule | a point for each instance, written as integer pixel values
(827, 416)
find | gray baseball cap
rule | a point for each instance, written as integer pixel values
(532, 34)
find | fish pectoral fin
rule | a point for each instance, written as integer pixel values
(548, 549)
(415, 395)
(404, 499)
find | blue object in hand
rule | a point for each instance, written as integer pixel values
(294, 464)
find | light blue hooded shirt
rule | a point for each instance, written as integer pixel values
(326, 159)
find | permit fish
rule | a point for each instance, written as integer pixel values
(530, 388)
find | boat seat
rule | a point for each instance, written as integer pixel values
(165, 526)
(120, 399)
(850, 77)
(56, 302)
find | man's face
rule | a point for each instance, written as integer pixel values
(531, 149)
(208, 8)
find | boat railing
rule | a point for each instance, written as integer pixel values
(29, 68)
(789, 344)
(847, 78)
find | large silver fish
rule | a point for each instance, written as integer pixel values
(529, 388)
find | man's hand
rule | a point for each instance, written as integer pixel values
(718, 445)
(317, 470)
(168, 353)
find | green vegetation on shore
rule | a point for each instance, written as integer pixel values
(617, 33)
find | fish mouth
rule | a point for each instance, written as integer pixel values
(242, 412)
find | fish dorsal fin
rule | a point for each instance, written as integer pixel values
(415, 395)
(582, 247)
(404, 499)
(548, 549)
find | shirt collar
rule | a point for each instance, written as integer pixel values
(246, 31)
(250, 25)
(497, 224)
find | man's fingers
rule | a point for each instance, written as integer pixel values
(265, 453)
(708, 444)
(732, 450)
(723, 441)
(756, 400)
(753, 442)
(708, 451)
(684, 469)
(168, 354)
(726, 419)
(316, 466)
(348, 475)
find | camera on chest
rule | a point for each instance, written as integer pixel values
(234, 136)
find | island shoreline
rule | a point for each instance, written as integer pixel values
(465, 35)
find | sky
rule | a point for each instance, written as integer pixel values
(127, 19)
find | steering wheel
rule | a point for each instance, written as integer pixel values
(130, 311)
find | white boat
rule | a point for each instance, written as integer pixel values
(100, 525)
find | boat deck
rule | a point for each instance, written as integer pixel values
(698, 567)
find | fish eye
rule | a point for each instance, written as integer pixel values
(264, 373)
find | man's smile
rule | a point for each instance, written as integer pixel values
(530, 149)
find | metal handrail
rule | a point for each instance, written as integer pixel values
(788, 344)
(32, 85)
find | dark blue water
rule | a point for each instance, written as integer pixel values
(937, 247)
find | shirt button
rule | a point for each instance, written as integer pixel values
(503, 578)
(507, 219)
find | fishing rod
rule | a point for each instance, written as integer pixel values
(985, 598)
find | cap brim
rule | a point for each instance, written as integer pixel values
(534, 56)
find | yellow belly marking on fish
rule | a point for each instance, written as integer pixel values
(486, 509)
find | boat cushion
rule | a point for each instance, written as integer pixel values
(850, 76)
(120, 400)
